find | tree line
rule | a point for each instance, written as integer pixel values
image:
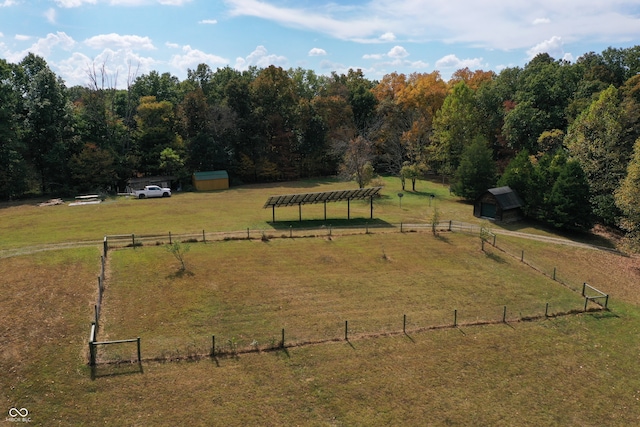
(564, 135)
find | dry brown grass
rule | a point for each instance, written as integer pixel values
(45, 302)
(576, 370)
(246, 291)
(579, 370)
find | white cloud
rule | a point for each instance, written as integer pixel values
(208, 21)
(553, 46)
(317, 19)
(455, 63)
(119, 65)
(191, 58)
(396, 59)
(77, 3)
(172, 45)
(388, 37)
(21, 37)
(260, 57)
(173, 2)
(398, 52)
(7, 3)
(42, 47)
(490, 24)
(50, 14)
(541, 21)
(104, 41)
(73, 3)
(317, 52)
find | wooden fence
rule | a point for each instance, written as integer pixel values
(486, 236)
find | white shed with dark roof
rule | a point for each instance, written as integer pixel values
(500, 204)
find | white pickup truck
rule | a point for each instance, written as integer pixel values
(152, 191)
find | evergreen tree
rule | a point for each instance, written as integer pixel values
(519, 175)
(477, 170)
(570, 199)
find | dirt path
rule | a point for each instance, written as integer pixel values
(26, 250)
(462, 227)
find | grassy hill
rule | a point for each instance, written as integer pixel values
(579, 369)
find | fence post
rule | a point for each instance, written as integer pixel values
(494, 240)
(449, 225)
(455, 318)
(92, 349)
(139, 356)
(105, 246)
(401, 227)
(606, 301)
(546, 310)
(204, 240)
(554, 273)
(92, 354)
(522, 257)
(282, 343)
(170, 241)
(586, 301)
(584, 286)
(213, 345)
(248, 237)
(404, 324)
(504, 315)
(346, 330)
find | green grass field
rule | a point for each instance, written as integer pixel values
(247, 291)
(568, 370)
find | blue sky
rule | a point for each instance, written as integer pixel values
(133, 37)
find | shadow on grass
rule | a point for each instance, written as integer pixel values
(587, 237)
(330, 223)
(604, 315)
(495, 257)
(180, 274)
(442, 238)
(116, 369)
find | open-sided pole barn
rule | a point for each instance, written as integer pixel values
(322, 197)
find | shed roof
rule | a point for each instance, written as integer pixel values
(506, 197)
(205, 176)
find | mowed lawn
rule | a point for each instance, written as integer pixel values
(569, 370)
(246, 291)
(26, 224)
(573, 370)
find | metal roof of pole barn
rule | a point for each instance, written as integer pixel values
(322, 197)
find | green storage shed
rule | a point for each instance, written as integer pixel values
(212, 180)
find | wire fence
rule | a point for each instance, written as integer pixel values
(135, 240)
(254, 335)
